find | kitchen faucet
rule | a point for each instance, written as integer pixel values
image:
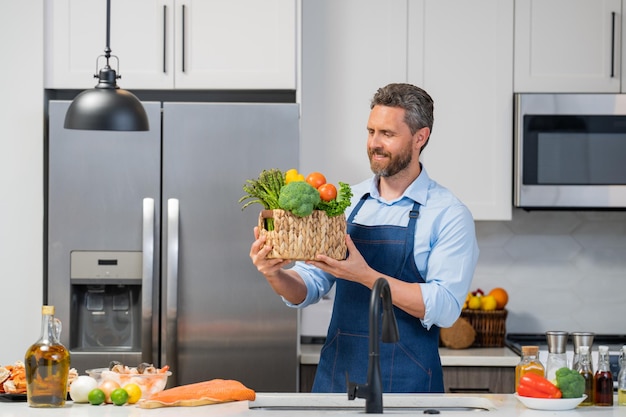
(372, 391)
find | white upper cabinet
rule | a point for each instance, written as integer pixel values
(460, 52)
(350, 48)
(165, 44)
(466, 65)
(569, 46)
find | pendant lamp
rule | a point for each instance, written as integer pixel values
(106, 107)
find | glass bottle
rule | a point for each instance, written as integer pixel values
(583, 366)
(603, 379)
(529, 363)
(621, 378)
(47, 364)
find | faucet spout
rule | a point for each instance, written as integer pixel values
(372, 390)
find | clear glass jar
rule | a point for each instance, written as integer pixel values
(557, 356)
(529, 363)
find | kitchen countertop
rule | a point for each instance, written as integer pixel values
(495, 356)
(505, 405)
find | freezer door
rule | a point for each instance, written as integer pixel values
(96, 185)
(224, 320)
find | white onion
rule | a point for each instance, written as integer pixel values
(80, 388)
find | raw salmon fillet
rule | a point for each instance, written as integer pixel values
(201, 393)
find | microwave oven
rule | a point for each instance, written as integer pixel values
(570, 151)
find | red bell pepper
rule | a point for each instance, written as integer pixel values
(533, 385)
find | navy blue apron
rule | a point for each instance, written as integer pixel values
(410, 365)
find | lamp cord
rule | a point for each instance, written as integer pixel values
(107, 49)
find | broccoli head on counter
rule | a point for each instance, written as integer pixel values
(570, 382)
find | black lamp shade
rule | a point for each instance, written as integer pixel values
(106, 109)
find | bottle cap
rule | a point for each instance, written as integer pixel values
(583, 350)
(47, 310)
(530, 350)
(603, 349)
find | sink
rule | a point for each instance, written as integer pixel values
(391, 402)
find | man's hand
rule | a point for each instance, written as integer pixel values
(258, 253)
(287, 284)
(353, 268)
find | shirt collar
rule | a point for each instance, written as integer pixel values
(416, 191)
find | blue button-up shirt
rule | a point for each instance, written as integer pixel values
(445, 249)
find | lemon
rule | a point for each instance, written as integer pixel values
(134, 392)
(488, 303)
(474, 302)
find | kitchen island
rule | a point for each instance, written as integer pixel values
(505, 405)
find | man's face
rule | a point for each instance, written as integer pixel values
(390, 144)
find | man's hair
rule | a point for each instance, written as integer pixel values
(418, 105)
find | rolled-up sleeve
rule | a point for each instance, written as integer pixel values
(450, 266)
(317, 282)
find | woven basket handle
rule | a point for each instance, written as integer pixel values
(265, 214)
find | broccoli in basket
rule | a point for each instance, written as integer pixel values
(570, 382)
(298, 197)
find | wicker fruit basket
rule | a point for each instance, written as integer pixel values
(490, 326)
(302, 238)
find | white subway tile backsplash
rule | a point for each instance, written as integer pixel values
(563, 270)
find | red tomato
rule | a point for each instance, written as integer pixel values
(328, 192)
(316, 179)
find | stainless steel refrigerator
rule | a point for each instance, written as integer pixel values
(148, 248)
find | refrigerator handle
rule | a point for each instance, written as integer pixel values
(147, 280)
(171, 296)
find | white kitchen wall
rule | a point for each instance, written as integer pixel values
(564, 270)
(21, 176)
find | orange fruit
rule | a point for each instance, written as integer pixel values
(501, 296)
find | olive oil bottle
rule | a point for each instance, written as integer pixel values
(47, 364)
(621, 378)
(584, 368)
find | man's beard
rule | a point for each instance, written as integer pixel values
(394, 165)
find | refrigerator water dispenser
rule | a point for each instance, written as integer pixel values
(105, 308)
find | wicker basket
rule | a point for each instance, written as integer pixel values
(490, 326)
(302, 238)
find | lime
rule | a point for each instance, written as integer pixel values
(119, 396)
(134, 392)
(96, 396)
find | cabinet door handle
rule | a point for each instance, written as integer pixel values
(183, 39)
(164, 38)
(612, 44)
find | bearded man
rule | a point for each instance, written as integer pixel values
(402, 226)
